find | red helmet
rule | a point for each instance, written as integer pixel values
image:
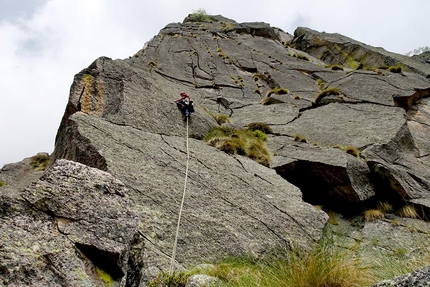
(184, 95)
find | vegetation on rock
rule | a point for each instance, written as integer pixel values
(408, 211)
(373, 214)
(327, 92)
(265, 128)
(240, 141)
(200, 15)
(300, 138)
(350, 149)
(164, 279)
(324, 265)
(39, 162)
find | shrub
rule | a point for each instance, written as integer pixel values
(39, 162)
(265, 128)
(2, 183)
(373, 214)
(408, 211)
(326, 92)
(200, 15)
(170, 280)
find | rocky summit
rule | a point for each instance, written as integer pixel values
(347, 127)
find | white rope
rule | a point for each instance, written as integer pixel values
(180, 210)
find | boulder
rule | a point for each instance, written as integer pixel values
(72, 227)
(202, 280)
(327, 176)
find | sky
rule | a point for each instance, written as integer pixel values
(44, 43)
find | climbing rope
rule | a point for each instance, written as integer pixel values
(180, 209)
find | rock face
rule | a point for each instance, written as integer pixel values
(71, 227)
(108, 204)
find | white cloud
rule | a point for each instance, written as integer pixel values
(50, 41)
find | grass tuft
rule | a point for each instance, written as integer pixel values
(219, 118)
(39, 162)
(265, 128)
(176, 279)
(300, 138)
(337, 68)
(350, 149)
(407, 211)
(385, 207)
(268, 100)
(395, 69)
(324, 265)
(327, 92)
(243, 142)
(301, 57)
(373, 214)
(2, 183)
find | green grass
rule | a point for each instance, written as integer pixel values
(324, 265)
(387, 264)
(245, 142)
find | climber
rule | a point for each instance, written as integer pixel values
(185, 104)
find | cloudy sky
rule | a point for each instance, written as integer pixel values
(44, 43)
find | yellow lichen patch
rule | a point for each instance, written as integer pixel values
(351, 62)
(107, 279)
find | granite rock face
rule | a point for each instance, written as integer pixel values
(73, 226)
(347, 133)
